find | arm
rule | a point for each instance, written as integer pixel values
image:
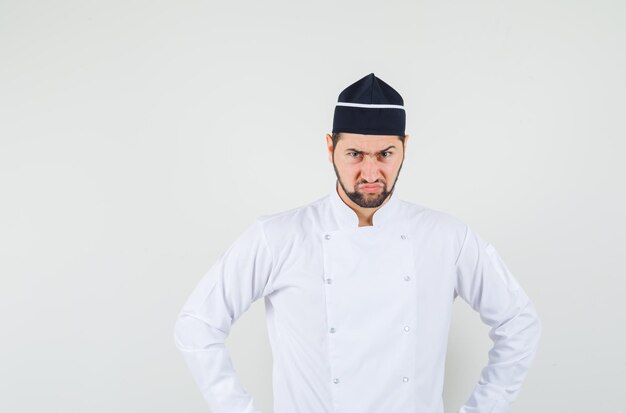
(238, 278)
(486, 284)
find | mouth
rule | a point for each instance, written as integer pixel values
(370, 188)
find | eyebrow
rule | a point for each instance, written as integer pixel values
(367, 153)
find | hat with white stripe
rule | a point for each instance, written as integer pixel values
(370, 106)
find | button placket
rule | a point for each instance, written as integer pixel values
(406, 330)
(328, 282)
(406, 278)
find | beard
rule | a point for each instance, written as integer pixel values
(367, 199)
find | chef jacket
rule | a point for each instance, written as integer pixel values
(358, 317)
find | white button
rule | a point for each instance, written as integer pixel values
(327, 236)
(407, 278)
(335, 380)
(405, 379)
(332, 329)
(329, 280)
(406, 328)
(403, 236)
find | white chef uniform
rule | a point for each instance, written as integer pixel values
(358, 317)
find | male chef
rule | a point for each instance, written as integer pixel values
(358, 288)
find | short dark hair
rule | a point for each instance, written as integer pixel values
(337, 135)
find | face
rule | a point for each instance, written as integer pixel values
(367, 166)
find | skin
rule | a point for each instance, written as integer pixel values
(366, 159)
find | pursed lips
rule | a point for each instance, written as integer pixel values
(370, 187)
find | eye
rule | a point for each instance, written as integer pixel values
(386, 152)
(352, 152)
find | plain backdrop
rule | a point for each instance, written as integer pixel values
(139, 138)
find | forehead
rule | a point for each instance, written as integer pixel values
(367, 142)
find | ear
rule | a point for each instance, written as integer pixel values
(329, 145)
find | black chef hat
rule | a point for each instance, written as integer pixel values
(370, 106)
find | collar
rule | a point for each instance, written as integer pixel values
(348, 219)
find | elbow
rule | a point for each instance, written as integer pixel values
(521, 331)
(530, 329)
(192, 333)
(532, 336)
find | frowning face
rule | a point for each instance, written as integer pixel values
(367, 166)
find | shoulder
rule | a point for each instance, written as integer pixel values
(428, 218)
(440, 233)
(293, 220)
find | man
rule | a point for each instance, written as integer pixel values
(358, 289)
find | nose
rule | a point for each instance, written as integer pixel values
(370, 171)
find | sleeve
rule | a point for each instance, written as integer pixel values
(487, 285)
(238, 278)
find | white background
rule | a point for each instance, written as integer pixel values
(139, 138)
